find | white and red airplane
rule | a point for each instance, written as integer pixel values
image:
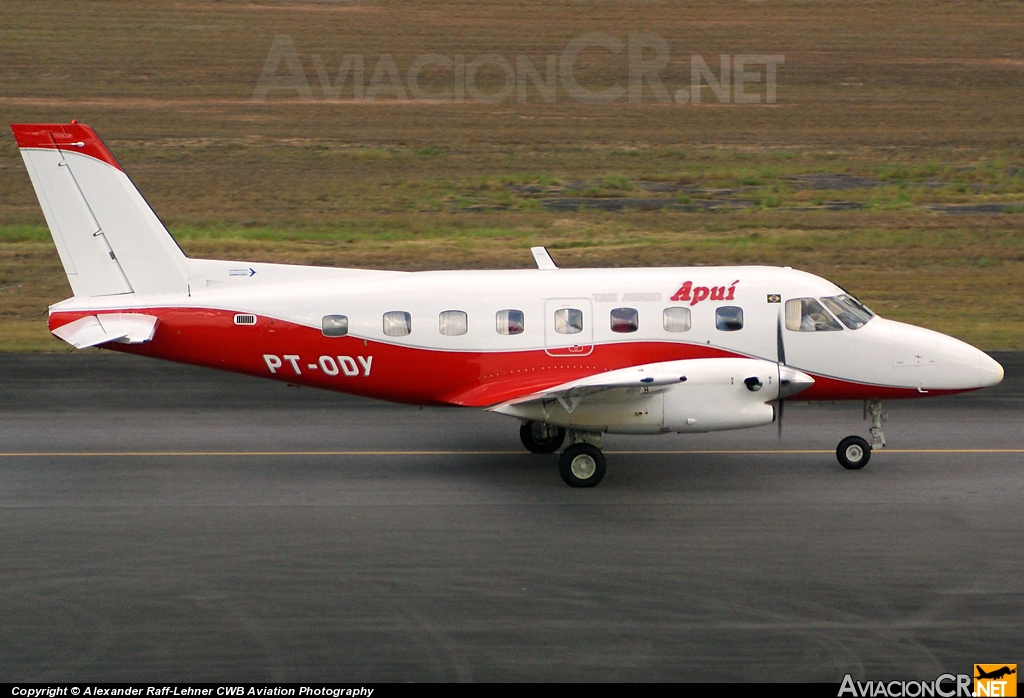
(569, 352)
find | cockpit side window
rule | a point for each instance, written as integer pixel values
(807, 315)
(850, 311)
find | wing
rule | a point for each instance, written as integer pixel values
(515, 386)
(624, 383)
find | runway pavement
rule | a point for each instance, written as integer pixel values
(160, 522)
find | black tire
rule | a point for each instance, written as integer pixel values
(581, 465)
(853, 452)
(533, 437)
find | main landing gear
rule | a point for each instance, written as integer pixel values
(581, 464)
(539, 437)
(853, 452)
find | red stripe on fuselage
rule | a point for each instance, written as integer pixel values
(206, 337)
(828, 388)
(398, 373)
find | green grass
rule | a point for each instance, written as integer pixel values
(932, 269)
(922, 97)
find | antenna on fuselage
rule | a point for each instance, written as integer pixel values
(543, 259)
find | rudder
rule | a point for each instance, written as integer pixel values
(109, 239)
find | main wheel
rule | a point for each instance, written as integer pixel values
(581, 465)
(539, 437)
(853, 453)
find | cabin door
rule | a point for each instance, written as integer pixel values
(568, 327)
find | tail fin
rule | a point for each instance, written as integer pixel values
(108, 237)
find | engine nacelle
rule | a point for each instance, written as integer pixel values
(693, 395)
(722, 394)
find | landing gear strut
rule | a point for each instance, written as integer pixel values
(582, 464)
(539, 437)
(874, 408)
(853, 452)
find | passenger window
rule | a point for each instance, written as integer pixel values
(509, 321)
(397, 323)
(729, 318)
(568, 321)
(453, 323)
(676, 319)
(335, 325)
(807, 315)
(625, 320)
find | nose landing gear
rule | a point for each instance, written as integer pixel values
(853, 452)
(874, 408)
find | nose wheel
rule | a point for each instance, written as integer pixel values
(853, 452)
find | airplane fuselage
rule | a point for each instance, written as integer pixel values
(269, 322)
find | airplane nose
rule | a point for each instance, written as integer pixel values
(935, 361)
(990, 372)
(977, 369)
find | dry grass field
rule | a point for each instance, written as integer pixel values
(892, 161)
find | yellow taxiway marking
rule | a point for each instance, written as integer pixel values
(217, 454)
(693, 452)
(877, 450)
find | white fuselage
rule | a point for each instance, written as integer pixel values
(484, 367)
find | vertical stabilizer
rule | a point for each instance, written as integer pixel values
(108, 237)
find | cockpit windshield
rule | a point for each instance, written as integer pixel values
(850, 311)
(807, 315)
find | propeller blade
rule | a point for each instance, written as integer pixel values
(780, 346)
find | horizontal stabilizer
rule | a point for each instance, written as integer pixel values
(126, 328)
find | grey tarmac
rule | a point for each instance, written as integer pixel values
(171, 523)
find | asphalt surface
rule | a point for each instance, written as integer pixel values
(160, 522)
